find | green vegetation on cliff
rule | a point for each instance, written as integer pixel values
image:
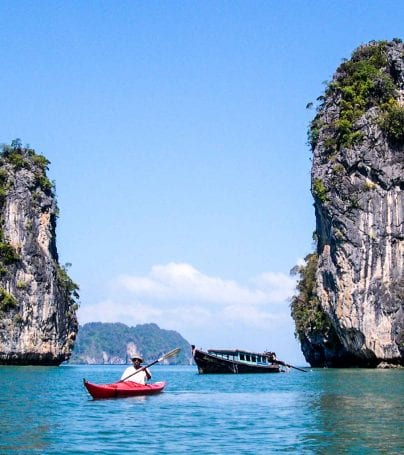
(7, 301)
(305, 307)
(363, 82)
(99, 342)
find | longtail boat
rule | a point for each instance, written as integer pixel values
(122, 389)
(236, 361)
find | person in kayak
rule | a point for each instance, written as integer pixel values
(141, 377)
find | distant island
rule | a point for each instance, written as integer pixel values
(115, 343)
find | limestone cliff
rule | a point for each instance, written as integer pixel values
(349, 311)
(38, 323)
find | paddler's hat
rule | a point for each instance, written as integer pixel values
(136, 357)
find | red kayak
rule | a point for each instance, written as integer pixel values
(122, 389)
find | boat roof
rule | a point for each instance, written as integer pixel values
(233, 352)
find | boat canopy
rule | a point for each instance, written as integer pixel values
(234, 352)
(240, 355)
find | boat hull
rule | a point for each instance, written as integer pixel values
(210, 364)
(122, 389)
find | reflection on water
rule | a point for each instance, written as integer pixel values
(360, 411)
(48, 411)
(24, 426)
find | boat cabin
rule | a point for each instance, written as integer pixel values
(237, 355)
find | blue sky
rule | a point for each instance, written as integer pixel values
(176, 132)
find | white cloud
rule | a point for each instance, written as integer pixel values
(249, 316)
(301, 262)
(118, 311)
(183, 282)
(214, 310)
(277, 286)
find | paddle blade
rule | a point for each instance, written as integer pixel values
(170, 354)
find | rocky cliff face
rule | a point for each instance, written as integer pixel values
(357, 287)
(38, 324)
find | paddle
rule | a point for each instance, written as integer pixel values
(164, 357)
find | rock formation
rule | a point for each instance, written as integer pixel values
(38, 305)
(349, 311)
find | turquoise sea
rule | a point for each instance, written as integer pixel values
(47, 411)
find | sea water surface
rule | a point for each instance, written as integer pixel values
(46, 410)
